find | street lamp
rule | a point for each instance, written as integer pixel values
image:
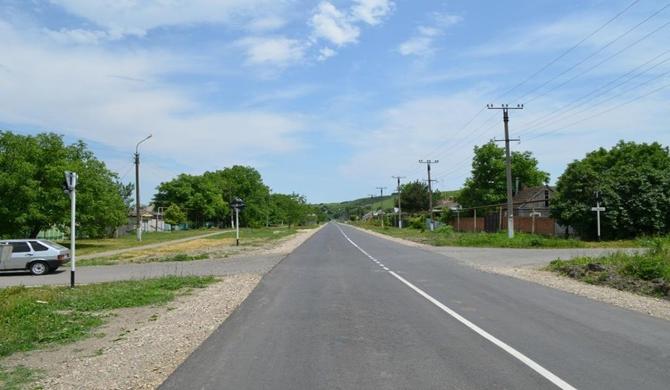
(137, 189)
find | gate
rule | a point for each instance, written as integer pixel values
(492, 223)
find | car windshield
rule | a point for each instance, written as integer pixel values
(54, 245)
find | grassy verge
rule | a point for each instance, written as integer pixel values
(645, 273)
(16, 378)
(445, 236)
(216, 246)
(32, 318)
(90, 246)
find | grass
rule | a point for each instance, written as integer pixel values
(198, 249)
(646, 273)
(445, 236)
(32, 318)
(16, 378)
(90, 246)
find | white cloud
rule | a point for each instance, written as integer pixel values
(266, 23)
(372, 11)
(115, 97)
(325, 53)
(423, 41)
(333, 25)
(272, 50)
(130, 17)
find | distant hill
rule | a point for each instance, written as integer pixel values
(363, 205)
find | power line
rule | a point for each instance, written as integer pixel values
(594, 93)
(597, 51)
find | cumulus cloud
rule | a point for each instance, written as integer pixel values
(333, 25)
(272, 50)
(371, 11)
(326, 53)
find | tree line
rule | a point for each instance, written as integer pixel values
(32, 197)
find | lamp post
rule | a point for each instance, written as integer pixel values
(137, 189)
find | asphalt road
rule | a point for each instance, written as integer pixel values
(389, 316)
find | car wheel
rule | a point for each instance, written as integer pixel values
(39, 268)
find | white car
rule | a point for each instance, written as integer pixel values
(35, 255)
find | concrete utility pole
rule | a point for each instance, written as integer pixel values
(430, 191)
(71, 179)
(598, 209)
(508, 159)
(399, 216)
(137, 189)
(381, 203)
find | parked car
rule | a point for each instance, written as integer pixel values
(35, 255)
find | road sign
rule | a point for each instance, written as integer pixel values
(597, 209)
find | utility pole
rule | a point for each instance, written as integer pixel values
(430, 191)
(137, 189)
(598, 209)
(381, 203)
(399, 216)
(508, 160)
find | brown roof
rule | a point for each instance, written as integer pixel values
(528, 194)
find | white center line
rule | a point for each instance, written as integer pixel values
(502, 345)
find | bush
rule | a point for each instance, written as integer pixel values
(646, 267)
(417, 223)
(447, 230)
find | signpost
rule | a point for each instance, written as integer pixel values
(70, 188)
(598, 209)
(237, 204)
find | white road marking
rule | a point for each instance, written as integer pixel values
(551, 377)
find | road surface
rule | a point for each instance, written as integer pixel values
(348, 310)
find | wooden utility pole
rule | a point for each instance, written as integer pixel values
(508, 163)
(430, 191)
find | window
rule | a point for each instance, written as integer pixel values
(37, 247)
(20, 247)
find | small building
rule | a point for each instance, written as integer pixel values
(531, 199)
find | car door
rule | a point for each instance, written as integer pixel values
(22, 254)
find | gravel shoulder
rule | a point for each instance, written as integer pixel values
(527, 264)
(138, 348)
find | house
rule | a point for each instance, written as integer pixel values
(531, 199)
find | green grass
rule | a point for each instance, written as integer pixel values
(645, 272)
(16, 378)
(90, 246)
(447, 237)
(31, 318)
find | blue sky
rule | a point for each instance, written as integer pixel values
(331, 98)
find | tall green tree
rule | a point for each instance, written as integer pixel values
(414, 196)
(31, 187)
(245, 183)
(290, 209)
(487, 183)
(634, 185)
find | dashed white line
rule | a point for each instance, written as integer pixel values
(553, 378)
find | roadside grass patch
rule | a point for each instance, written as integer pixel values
(446, 236)
(646, 273)
(16, 378)
(32, 318)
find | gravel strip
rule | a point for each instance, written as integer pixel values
(154, 343)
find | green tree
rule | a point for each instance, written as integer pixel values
(291, 209)
(634, 185)
(414, 196)
(198, 195)
(245, 183)
(31, 187)
(488, 184)
(174, 216)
